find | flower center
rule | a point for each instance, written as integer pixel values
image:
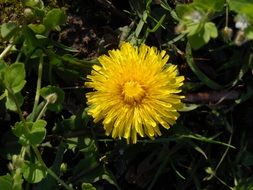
(132, 92)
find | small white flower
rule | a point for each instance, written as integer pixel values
(194, 16)
(241, 22)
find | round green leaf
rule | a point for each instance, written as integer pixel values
(33, 135)
(37, 133)
(6, 182)
(8, 30)
(10, 103)
(212, 30)
(194, 29)
(33, 3)
(15, 79)
(19, 129)
(54, 18)
(37, 28)
(88, 186)
(183, 10)
(33, 173)
(197, 40)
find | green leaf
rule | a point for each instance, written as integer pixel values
(11, 104)
(2, 70)
(6, 182)
(20, 131)
(40, 13)
(19, 128)
(54, 18)
(31, 42)
(33, 173)
(37, 133)
(37, 28)
(214, 5)
(85, 145)
(33, 3)
(249, 33)
(199, 34)
(66, 125)
(39, 109)
(183, 10)
(197, 40)
(212, 30)
(189, 107)
(242, 6)
(85, 118)
(49, 90)
(206, 35)
(15, 77)
(30, 133)
(194, 29)
(8, 30)
(18, 181)
(88, 186)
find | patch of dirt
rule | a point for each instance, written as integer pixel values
(91, 29)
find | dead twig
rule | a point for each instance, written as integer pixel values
(212, 97)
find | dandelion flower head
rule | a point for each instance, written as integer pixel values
(135, 92)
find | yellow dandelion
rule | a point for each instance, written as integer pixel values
(134, 92)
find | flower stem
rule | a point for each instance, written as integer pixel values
(21, 117)
(58, 179)
(43, 110)
(38, 155)
(37, 95)
(35, 149)
(226, 14)
(5, 51)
